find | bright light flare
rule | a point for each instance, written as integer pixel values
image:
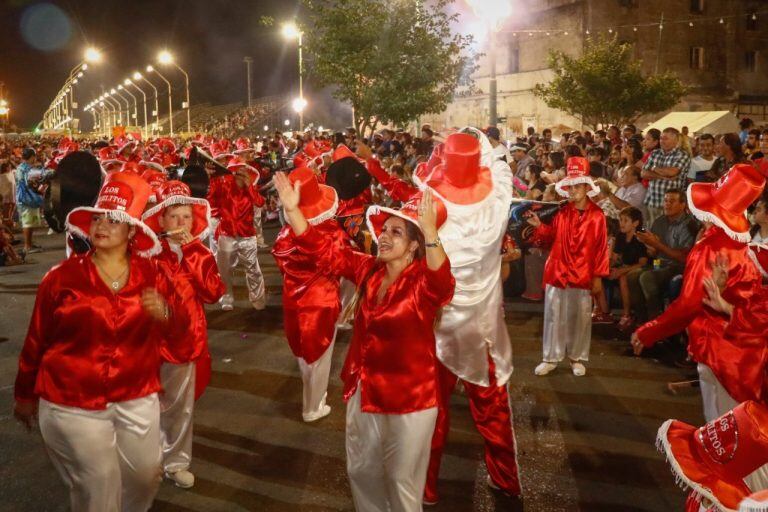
(93, 55)
(491, 12)
(287, 122)
(136, 75)
(164, 57)
(299, 104)
(127, 81)
(291, 31)
(150, 69)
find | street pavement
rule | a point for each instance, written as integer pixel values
(584, 443)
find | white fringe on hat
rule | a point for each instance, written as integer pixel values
(119, 216)
(179, 200)
(567, 182)
(705, 216)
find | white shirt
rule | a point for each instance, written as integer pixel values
(633, 194)
(758, 238)
(699, 164)
(501, 151)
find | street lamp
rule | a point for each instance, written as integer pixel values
(128, 82)
(287, 122)
(492, 13)
(266, 127)
(165, 57)
(139, 76)
(150, 69)
(120, 90)
(93, 55)
(291, 31)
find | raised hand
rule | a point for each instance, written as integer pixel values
(714, 299)
(720, 271)
(154, 304)
(428, 216)
(289, 193)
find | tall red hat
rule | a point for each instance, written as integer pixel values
(713, 460)
(758, 253)
(236, 164)
(126, 144)
(376, 215)
(221, 150)
(107, 153)
(459, 178)
(111, 165)
(174, 193)
(423, 170)
(131, 167)
(123, 198)
(725, 202)
(312, 150)
(577, 169)
(342, 152)
(317, 202)
(155, 179)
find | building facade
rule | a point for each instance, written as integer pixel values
(723, 61)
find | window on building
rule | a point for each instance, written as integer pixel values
(697, 6)
(697, 57)
(514, 59)
(750, 60)
(751, 21)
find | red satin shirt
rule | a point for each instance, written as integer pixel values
(356, 205)
(397, 189)
(197, 281)
(579, 244)
(392, 353)
(705, 326)
(235, 207)
(213, 191)
(87, 347)
(311, 303)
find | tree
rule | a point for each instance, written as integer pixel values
(392, 60)
(606, 85)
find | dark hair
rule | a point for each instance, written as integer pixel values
(733, 141)
(572, 150)
(637, 150)
(679, 193)
(413, 233)
(601, 133)
(427, 130)
(631, 128)
(596, 169)
(535, 169)
(755, 132)
(596, 151)
(558, 159)
(547, 130)
(746, 123)
(338, 138)
(655, 134)
(633, 214)
(27, 153)
(531, 130)
(581, 141)
(706, 136)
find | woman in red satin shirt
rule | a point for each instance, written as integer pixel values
(92, 355)
(390, 371)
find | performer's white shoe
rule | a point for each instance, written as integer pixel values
(324, 411)
(227, 302)
(578, 369)
(544, 368)
(183, 478)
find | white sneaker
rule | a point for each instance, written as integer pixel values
(578, 369)
(182, 478)
(227, 302)
(259, 305)
(324, 411)
(544, 368)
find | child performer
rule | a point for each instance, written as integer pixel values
(182, 221)
(577, 262)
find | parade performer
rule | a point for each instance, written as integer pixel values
(390, 373)
(472, 340)
(311, 294)
(577, 262)
(183, 220)
(102, 321)
(722, 206)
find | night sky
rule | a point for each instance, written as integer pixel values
(40, 42)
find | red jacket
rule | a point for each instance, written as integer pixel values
(579, 244)
(311, 303)
(397, 189)
(87, 347)
(392, 353)
(705, 326)
(235, 207)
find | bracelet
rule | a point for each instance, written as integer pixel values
(436, 243)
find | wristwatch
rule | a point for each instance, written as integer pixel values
(436, 243)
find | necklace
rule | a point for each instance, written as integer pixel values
(115, 281)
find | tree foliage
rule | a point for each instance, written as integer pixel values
(392, 60)
(606, 85)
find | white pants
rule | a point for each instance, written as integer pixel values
(567, 324)
(314, 377)
(212, 235)
(387, 457)
(257, 224)
(109, 459)
(233, 251)
(177, 403)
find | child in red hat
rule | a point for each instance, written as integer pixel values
(577, 262)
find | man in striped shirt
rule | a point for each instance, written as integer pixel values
(666, 169)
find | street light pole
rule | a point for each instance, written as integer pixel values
(127, 107)
(189, 106)
(492, 92)
(129, 82)
(135, 102)
(301, 83)
(150, 69)
(248, 61)
(137, 76)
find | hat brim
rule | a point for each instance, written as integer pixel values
(701, 202)
(561, 186)
(324, 209)
(144, 241)
(376, 216)
(676, 440)
(450, 193)
(338, 177)
(201, 213)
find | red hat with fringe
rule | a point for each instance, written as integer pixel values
(757, 502)
(155, 179)
(713, 460)
(123, 197)
(131, 167)
(166, 145)
(243, 145)
(317, 202)
(175, 193)
(376, 215)
(725, 202)
(577, 169)
(236, 164)
(459, 178)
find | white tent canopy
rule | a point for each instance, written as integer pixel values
(713, 122)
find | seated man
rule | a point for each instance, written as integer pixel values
(672, 236)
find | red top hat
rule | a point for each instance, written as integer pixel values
(317, 202)
(131, 167)
(312, 150)
(713, 460)
(235, 164)
(166, 145)
(459, 178)
(173, 193)
(725, 202)
(155, 179)
(758, 253)
(376, 216)
(123, 198)
(342, 152)
(107, 153)
(577, 169)
(221, 150)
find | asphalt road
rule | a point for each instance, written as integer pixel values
(585, 443)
